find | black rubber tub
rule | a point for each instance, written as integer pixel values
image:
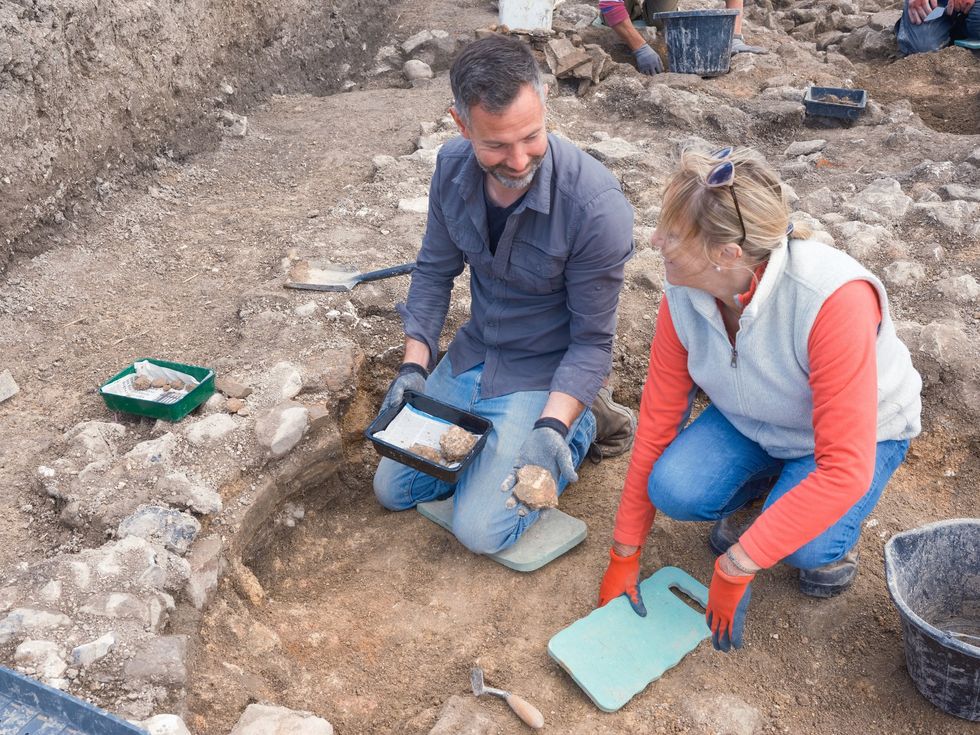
(933, 576)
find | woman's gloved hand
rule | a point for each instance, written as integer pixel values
(728, 602)
(621, 578)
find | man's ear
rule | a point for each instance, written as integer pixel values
(459, 123)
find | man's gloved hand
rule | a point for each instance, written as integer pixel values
(620, 578)
(411, 376)
(546, 447)
(648, 61)
(728, 601)
(739, 46)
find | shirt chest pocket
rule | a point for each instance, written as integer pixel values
(466, 238)
(535, 271)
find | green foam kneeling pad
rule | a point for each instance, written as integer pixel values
(613, 654)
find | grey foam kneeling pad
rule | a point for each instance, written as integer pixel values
(552, 535)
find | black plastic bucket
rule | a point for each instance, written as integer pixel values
(698, 41)
(933, 575)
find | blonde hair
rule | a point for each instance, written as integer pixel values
(694, 212)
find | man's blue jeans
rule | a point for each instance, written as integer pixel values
(711, 470)
(481, 519)
(936, 34)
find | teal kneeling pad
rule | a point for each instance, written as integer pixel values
(613, 654)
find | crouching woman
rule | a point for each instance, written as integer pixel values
(813, 396)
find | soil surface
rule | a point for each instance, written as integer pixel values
(373, 619)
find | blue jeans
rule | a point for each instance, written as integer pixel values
(481, 520)
(711, 470)
(936, 34)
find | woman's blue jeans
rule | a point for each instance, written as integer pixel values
(481, 519)
(711, 470)
(936, 34)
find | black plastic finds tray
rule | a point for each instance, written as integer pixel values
(849, 104)
(464, 419)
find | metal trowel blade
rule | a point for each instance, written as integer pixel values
(321, 277)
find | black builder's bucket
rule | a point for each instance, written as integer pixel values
(698, 41)
(933, 575)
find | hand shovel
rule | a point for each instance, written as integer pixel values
(522, 708)
(313, 277)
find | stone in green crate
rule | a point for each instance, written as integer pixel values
(174, 411)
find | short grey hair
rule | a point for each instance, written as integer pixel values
(490, 72)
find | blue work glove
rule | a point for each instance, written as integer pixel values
(546, 447)
(648, 61)
(739, 46)
(411, 376)
(728, 601)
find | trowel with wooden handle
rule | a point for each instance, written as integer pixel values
(530, 714)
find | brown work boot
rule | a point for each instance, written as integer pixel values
(615, 426)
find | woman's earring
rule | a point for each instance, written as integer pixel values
(718, 268)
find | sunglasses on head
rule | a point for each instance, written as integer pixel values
(723, 175)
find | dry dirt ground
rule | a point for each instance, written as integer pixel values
(373, 619)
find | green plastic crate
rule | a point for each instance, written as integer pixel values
(154, 409)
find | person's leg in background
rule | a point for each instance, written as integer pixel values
(828, 563)
(972, 23)
(918, 38)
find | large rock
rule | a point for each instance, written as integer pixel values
(210, 429)
(880, 202)
(165, 725)
(93, 441)
(958, 191)
(868, 44)
(8, 386)
(180, 490)
(463, 716)
(961, 289)
(151, 611)
(207, 564)
(804, 148)
(159, 661)
(43, 659)
(948, 344)
(282, 428)
(613, 150)
(174, 529)
(261, 719)
(885, 20)
(862, 241)
(152, 453)
(414, 70)
(23, 620)
(88, 653)
(956, 217)
(904, 273)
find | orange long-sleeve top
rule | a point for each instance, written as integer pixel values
(844, 383)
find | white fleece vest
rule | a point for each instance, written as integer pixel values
(762, 384)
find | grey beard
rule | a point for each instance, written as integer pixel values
(510, 182)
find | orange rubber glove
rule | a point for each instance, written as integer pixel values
(620, 578)
(728, 601)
